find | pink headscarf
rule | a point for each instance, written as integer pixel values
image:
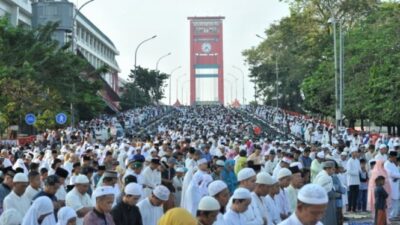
(378, 170)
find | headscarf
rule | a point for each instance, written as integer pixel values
(229, 176)
(377, 171)
(40, 206)
(11, 217)
(177, 216)
(65, 214)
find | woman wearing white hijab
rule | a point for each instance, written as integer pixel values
(66, 216)
(11, 217)
(41, 212)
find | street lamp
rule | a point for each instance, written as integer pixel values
(74, 26)
(159, 59)
(183, 86)
(241, 71)
(138, 46)
(231, 84)
(236, 83)
(177, 84)
(170, 78)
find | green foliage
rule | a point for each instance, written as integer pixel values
(39, 76)
(303, 46)
(146, 89)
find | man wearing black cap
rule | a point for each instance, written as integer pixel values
(151, 177)
(51, 185)
(393, 177)
(296, 182)
(98, 174)
(62, 175)
(6, 186)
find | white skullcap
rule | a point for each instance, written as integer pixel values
(208, 203)
(161, 192)
(344, 153)
(180, 170)
(298, 164)
(241, 193)
(396, 144)
(264, 178)
(245, 174)
(133, 189)
(321, 155)
(201, 161)
(20, 177)
(60, 157)
(286, 160)
(220, 163)
(102, 191)
(11, 217)
(313, 194)
(284, 172)
(216, 187)
(353, 149)
(382, 146)
(81, 179)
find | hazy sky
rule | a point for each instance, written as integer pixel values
(128, 22)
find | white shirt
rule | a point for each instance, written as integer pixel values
(272, 211)
(150, 214)
(30, 192)
(282, 199)
(260, 203)
(233, 218)
(77, 201)
(324, 180)
(151, 179)
(293, 220)
(270, 165)
(251, 215)
(20, 203)
(220, 220)
(394, 174)
(353, 172)
(61, 194)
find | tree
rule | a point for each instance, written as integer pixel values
(146, 89)
(36, 75)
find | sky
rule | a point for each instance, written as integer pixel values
(128, 22)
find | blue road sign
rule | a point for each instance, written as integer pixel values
(61, 118)
(30, 119)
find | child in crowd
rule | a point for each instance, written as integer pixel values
(363, 188)
(380, 201)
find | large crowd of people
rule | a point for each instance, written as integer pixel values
(203, 165)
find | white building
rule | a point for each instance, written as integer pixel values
(90, 41)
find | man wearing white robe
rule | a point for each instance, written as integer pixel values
(34, 185)
(197, 187)
(263, 184)
(273, 214)
(282, 198)
(393, 177)
(151, 208)
(241, 200)
(151, 177)
(16, 199)
(312, 203)
(78, 199)
(247, 180)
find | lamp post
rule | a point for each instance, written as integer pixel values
(170, 78)
(135, 68)
(138, 46)
(157, 71)
(159, 59)
(241, 71)
(332, 20)
(74, 26)
(231, 84)
(183, 86)
(177, 84)
(236, 83)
